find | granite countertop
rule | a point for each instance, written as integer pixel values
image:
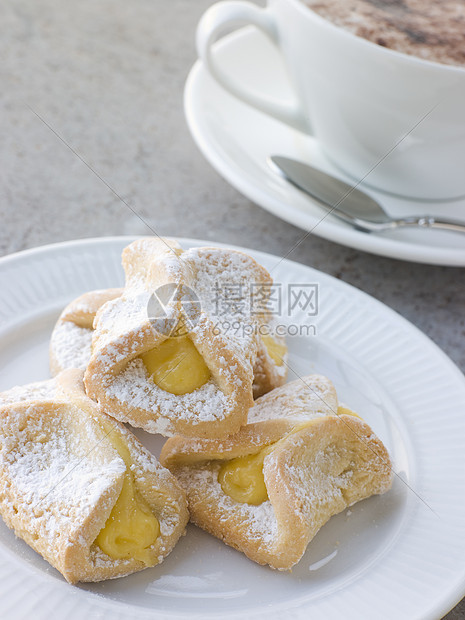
(107, 77)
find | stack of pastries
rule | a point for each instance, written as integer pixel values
(260, 463)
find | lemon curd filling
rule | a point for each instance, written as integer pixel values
(346, 411)
(242, 478)
(176, 366)
(275, 350)
(132, 528)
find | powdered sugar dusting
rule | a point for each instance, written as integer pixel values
(71, 345)
(224, 333)
(261, 520)
(40, 390)
(101, 559)
(56, 480)
(226, 283)
(134, 388)
(121, 316)
(303, 399)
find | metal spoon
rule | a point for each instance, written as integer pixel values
(349, 203)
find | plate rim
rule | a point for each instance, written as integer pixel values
(456, 593)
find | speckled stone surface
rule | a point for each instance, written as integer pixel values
(107, 77)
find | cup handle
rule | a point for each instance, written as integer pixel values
(218, 19)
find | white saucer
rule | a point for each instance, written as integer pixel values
(237, 140)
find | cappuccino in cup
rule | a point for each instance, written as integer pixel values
(430, 29)
(392, 121)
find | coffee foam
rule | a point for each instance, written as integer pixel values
(429, 29)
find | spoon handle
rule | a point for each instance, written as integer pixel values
(428, 221)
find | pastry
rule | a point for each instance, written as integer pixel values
(71, 341)
(170, 355)
(267, 490)
(270, 370)
(79, 488)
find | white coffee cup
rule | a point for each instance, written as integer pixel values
(393, 121)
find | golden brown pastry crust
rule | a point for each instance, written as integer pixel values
(318, 467)
(70, 344)
(272, 416)
(66, 343)
(269, 375)
(60, 477)
(115, 375)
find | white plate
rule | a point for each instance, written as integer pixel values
(400, 555)
(237, 140)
